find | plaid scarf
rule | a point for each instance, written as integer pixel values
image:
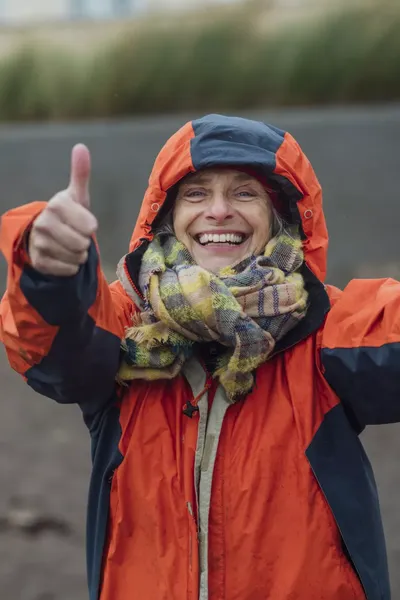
(247, 308)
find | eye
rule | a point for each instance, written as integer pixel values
(245, 194)
(195, 195)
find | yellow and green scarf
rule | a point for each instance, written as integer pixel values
(247, 308)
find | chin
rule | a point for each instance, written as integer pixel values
(214, 263)
(215, 267)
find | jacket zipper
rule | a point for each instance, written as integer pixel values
(189, 409)
(135, 289)
(191, 513)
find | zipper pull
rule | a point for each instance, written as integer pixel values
(189, 409)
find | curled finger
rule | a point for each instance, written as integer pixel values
(51, 266)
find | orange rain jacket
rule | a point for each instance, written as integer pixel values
(190, 498)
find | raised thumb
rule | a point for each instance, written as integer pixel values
(80, 174)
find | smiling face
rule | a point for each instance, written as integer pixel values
(222, 216)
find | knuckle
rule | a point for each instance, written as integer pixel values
(61, 204)
(37, 224)
(40, 263)
(40, 243)
(59, 199)
(72, 270)
(93, 223)
(85, 244)
(53, 206)
(83, 258)
(44, 223)
(74, 243)
(79, 243)
(88, 219)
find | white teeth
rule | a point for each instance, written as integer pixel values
(215, 238)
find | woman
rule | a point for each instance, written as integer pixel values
(226, 459)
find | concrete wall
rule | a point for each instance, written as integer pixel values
(355, 153)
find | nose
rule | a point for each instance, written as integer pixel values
(219, 208)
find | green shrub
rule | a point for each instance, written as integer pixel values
(223, 65)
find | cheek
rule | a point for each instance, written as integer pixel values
(183, 217)
(261, 223)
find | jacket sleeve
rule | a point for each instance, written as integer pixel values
(361, 349)
(62, 334)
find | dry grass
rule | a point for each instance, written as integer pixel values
(220, 64)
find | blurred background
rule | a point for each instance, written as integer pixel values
(121, 76)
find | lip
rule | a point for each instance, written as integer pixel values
(220, 232)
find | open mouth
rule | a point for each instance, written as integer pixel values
(231, 239)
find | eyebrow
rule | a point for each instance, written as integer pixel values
(197, 179)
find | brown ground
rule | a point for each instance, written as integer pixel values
(44, 470)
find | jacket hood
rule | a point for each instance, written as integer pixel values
(217, 140)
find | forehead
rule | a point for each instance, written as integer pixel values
(213, 175)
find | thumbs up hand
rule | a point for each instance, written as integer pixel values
(61, 235)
